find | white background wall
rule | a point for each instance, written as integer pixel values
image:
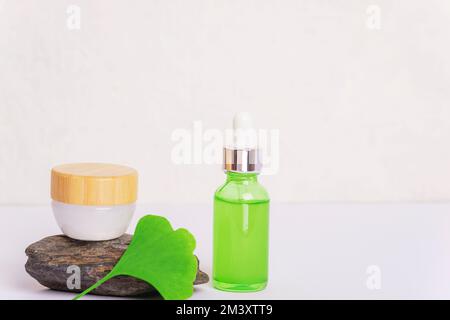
(363, 113)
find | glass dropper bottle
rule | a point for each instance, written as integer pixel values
(241, 216)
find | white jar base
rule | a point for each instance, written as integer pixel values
(93, 223)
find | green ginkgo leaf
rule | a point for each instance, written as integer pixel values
(162, 257)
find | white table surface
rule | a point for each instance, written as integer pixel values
(317, 251)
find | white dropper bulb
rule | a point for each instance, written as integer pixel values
(244, 133)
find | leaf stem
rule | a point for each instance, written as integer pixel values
(95, 285)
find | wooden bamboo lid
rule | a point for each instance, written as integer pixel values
(94, 184)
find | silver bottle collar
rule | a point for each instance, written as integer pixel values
(241, 160)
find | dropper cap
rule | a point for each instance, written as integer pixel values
(243, 156)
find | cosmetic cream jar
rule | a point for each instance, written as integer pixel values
(93, 201)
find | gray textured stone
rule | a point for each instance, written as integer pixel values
(49, 259)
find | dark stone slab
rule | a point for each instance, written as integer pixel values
(50, 258)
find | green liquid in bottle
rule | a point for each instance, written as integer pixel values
(241, 234)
